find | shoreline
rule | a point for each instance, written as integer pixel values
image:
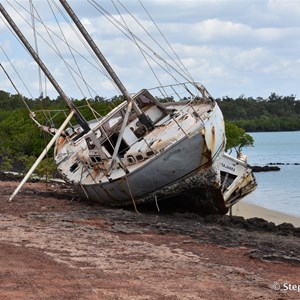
(249, 210)
(241, 209)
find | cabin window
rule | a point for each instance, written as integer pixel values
(111, 142)
(74, 167)
(113, 121)
(131, 159)
(140, 157)
(149, 153)
(143, 101)
(95, 159)
(229, 180)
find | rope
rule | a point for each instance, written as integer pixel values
(155, 197)
(133, 201)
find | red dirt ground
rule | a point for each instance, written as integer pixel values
(53, 248)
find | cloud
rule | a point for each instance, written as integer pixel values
(233, 47)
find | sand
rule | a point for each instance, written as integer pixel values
(247, 211)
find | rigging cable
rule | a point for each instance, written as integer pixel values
(49, 29)
(60, 55)
(167, 42)
(81, 75)
(122, 28)
(182, 67)
(14, 86)
(137, 44)
(36, 47)
(69, 48)
(84, 43)
(31, 113)
(17, 74)
(156, 42)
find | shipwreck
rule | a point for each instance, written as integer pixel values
(146, 150)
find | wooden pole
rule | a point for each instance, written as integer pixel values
(42, 155)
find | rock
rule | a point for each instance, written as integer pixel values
(265, 168)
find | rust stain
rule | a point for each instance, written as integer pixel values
(59, 144)
(213, 139)
(205, 151)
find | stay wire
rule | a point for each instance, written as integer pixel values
(17, 75)
(167, 42)
(75, 61)
(47, 41)
(10, 60)
(168, 65)
(84, 43)
(114, 21)
(140, 49)
(14, 86)
(68, 66)
(55, 51)
(119, 26)
(154, 40)
(36, 45)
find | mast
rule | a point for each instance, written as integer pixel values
(142, 117)
(79, 118)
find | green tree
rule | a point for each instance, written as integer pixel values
(237, 138)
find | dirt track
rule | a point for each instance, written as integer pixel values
(53, 248)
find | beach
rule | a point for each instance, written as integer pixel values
(248, 210)
(54, 246)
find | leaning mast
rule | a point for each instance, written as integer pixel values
(79, 118)
(142, 117)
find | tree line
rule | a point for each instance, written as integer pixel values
(21, 141)
(276, 113)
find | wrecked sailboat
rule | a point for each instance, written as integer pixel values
(145, 150)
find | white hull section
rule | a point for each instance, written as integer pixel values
(237, 179)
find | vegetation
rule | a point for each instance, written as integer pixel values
(21, 141)
(237, 138)
(276, 113)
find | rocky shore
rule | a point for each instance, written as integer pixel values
(264, 168)
(272, 166)
(53, 246)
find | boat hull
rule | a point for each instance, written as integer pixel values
(237, 179)
(168, 175)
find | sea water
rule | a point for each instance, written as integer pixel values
(276, 190)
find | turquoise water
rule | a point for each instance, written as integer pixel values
(278, 190)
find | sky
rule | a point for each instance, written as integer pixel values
(233, 48)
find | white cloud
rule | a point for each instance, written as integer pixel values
(234, 47)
